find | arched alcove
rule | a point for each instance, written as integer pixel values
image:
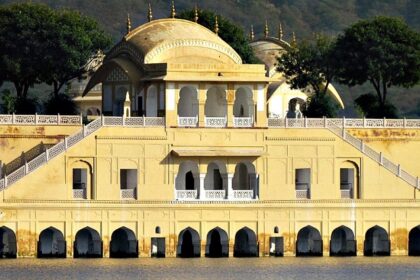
(342, 242)
(216, 104)
(51, 244)
(244, 177)
(243, 106)
(215, 178)
(88, 244)
(123, 244)
(245, 243)
(188, 102)
(414, 242)
(309, 242)
(8, 246)
(296, 107)
(377, 242)
(188, 244)
(188, 177)
(217, 243)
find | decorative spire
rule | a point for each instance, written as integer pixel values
(294, 41)
(173, 12)
(128, 24)
(280, 32)
(266, 29)
(149, 14)
(216, 26)
(251, 34)
(196, 13)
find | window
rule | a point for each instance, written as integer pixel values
(79, 178)
(128, 179)
(303, 182)
(346, 182)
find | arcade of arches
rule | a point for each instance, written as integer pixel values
(189, 244)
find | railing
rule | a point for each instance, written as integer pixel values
(187, 121)
(186, 194)
(134, 121)
(343, 122)
(40, 120)
(215, 121)
(243, 122)
(243, 194)
(215, 194)
(79, 193)
(302, 194)
(129, 193)
(346, 193)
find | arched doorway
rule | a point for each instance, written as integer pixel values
(377, 242)
(217, 244)
(216, 104)
(245, 243)
(296, 107)
(188, 244)
(243, 106)
(123, 244)
(414, 242)
(188, 102)
(88, 244)
(187, 180)
(342, 242)
(51, 244)
(309, 242)
(152, 102)
(7, 243)
(245, 179)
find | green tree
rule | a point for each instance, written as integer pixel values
(384, 52)
(310, 65)
(8, 100)
(228, 31)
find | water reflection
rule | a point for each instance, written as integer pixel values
(205, 268)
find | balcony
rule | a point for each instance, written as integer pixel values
(186, 194)
(215, 121)
(79, 193)
(215, 194)
(129, 193)
(346, 193)
(188, 121)
(243, 194)
(243, 121)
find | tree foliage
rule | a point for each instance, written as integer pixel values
(310, 65)
(228, 31)
(384, 52)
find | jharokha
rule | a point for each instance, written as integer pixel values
(193, 153)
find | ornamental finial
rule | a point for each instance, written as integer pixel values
(266, 29)
(173, 12)
(251, 33)
(280, 32)
(196, 13)
(216, 26)
(128, 24)
(149, 14)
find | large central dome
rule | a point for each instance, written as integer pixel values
(179, 41)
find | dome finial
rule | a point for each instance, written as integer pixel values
(251, 33)
(149, 14)
(266, 29)
(196, 13)
(128, 24)
(280, 32)
(294, 41)
(173, 12)
(216, 26)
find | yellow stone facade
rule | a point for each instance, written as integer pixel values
(266, 186)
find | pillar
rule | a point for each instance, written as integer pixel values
(230, 186)
(202, 192)
(230, 100)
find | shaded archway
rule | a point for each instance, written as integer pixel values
(215, 178)
(342, 242)
(51, 244)
(414, 242)
(188, 102)
(7, 243)
(88, 244)
(309, 242)
(188, 244)
(152, 102)
(217, 244)
(123, 244)
(245, 243)
(243, 106)
(188, 176)
(296, 107)
(216, 104)
(377, 242)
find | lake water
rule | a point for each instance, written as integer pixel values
(172, 268)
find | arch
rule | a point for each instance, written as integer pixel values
(8, 246)
(87, 244)
(216, 104)
(188, 102)
(123, 244)
(119, 98)
(217, 243)
(152, 101)
(188, 177)
(349, 179)
(377, 242)
(342, 242)
(243, 106)
(276, 229)
(296, 106)
(245, 243)
(309, 242)
(244, 177)
(215, 178)
(157, 230)
(414, 241)
(51, 244)
(188, 244)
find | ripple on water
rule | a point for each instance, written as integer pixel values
(254, 268)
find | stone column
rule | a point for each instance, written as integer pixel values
(230, 100)
(202, 95)
(201, 191)
(230, 186)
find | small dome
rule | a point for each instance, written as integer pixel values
(268, 49)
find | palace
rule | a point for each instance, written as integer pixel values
(192, 154)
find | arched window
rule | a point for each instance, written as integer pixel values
(276, 229)
(157, 230)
